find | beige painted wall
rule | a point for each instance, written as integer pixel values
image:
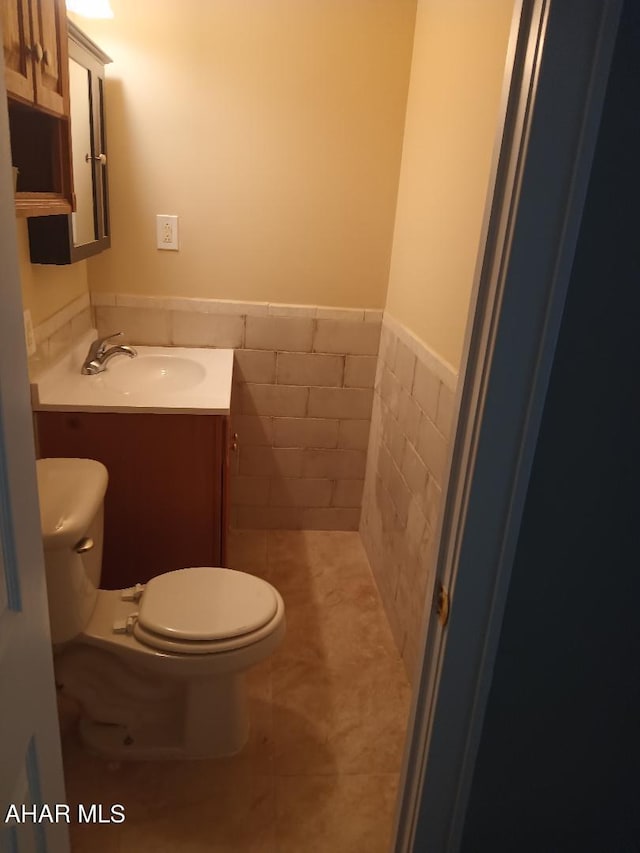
(47, 289)
(452, 111)
(274, 130)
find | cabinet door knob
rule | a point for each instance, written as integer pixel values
(101, 158)
(35, 52)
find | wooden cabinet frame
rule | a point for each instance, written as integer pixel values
(37, 78)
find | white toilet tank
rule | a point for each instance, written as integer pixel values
(71, 493)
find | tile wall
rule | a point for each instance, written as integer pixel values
(320, 397)
(301, 403)
(57, 335)
(411, 428)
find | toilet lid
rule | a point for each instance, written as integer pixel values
(206, 603)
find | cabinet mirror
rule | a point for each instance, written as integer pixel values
(85, 232)
(83, 220)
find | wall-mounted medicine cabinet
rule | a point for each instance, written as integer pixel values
(34, 41)
(69, 238)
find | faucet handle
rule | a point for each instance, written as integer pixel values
(101, 343)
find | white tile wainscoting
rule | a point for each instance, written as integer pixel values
(301, 404)
(321, 396)
(57, 335)
(408, 450)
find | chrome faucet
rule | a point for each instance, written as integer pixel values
(100, 354)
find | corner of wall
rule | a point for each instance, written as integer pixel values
(58, 299)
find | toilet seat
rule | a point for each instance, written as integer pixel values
(204, 610)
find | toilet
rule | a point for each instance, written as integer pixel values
(156, 669)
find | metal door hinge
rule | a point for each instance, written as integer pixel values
(443, 605)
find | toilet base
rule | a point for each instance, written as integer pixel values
(138, 716)
(115, 744)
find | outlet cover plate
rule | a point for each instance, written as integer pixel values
(167, 232)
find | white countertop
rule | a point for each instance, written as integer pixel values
(62, 388)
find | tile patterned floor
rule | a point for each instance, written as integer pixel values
(328, 712)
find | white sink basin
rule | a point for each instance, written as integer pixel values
(163, 380)
(162, 374)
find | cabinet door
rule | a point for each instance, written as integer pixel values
(83, 219)
(49, 31)
(100, 162)
(163, 507)
(85, 232)
(16, 40)
(86, 79)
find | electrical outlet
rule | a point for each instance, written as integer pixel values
(29, 337)
(167, 232)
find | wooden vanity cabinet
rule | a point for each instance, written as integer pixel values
(167, 498)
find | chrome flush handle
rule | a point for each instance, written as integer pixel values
(83, 545)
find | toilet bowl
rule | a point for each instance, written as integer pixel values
(157, 669)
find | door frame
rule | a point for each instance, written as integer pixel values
(557, 68)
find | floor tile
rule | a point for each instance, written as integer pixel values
(341, 723)
(345, 629)
(335, 814)
(238, 817)
(247, 552)
(314, 560)
(92, 837)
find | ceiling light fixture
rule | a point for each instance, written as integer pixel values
(90, 8)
